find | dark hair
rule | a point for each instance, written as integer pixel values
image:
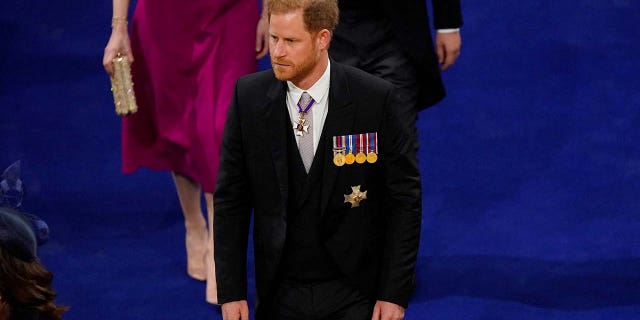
(26, 286)
(317, 14)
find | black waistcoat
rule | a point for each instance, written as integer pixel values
(305, 258)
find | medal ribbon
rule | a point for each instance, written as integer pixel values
(368, 150)
(375, 138)
(306, 108)
(337, 142)
(373, 142)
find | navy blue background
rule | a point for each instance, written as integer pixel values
(531, 168)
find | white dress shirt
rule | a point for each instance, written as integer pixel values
(319, 91)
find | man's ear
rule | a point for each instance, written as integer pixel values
(324, 38)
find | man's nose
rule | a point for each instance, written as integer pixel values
(278, 49)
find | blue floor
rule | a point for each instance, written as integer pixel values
(531, 168)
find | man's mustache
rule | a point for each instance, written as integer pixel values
(276, 61)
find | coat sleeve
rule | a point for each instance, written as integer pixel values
(403, 210)
(446, 14)
(232, 210)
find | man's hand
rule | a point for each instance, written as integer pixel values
(387, 311)
(448, 48)
(235, 310)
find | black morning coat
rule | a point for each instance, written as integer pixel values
(374, 245)
(410, 25)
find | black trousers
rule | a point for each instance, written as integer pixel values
(327, 300)
(367, 43)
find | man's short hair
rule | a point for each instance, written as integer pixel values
(317, 14)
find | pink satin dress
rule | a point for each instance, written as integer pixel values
(188, 55)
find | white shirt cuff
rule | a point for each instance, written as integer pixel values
(453, 30)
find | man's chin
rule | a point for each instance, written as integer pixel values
(282, 76)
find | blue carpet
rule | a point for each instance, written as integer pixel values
(531, 168)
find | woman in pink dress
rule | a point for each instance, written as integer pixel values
(188, 55)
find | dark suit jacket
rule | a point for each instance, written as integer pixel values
(375, 245)
(410, 25)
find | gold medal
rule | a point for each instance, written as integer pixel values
(360, 156)
(338, 159)
(349, 158)
(372, 157)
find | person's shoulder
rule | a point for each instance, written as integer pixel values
(257, 79)
(361, 79)
(252, 89)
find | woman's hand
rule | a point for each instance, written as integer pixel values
(262, 37)
(118, 43)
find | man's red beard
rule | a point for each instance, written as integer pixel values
(293, 72)
(280, 75)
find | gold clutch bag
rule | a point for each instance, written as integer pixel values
(122, 86)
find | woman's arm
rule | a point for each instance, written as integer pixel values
(262, 33)
(119, 40)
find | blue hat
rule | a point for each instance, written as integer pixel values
(17, 235)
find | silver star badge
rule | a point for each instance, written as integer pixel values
(355, 197)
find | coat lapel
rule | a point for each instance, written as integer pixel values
(339, 121)
(276, 120)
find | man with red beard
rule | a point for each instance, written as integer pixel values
(314, 150)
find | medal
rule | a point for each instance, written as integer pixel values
(299, 127)
(355, 197)
(372, 147)
(360, 157)
(338, 151)
(350, 158)
(338, 159)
